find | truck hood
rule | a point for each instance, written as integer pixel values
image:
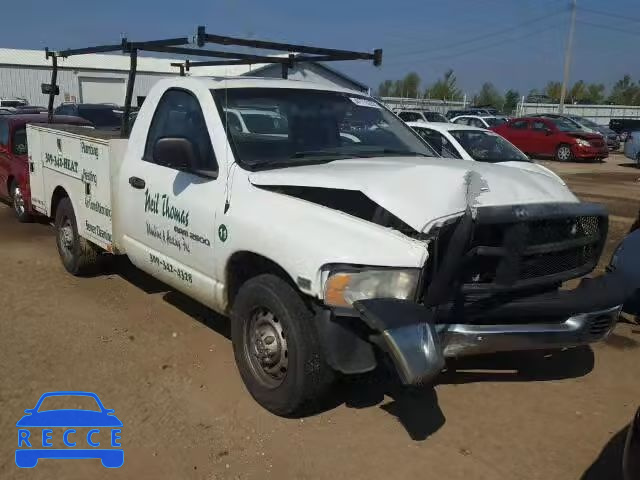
(420, 191)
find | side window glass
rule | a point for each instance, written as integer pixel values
(477, 123)
(540, 126)
(20, 142)
(519, 125)
(438, 142)
(179, 115)
(4, 133)
(462, 121)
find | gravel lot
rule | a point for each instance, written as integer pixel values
(165, 365)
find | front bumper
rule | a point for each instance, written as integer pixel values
(590, 152)
(418, 339)
(584, 328)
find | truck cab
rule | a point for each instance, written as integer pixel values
(343, 240)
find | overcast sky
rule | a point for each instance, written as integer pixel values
(512, 43)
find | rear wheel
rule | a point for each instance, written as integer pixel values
(78, 256)
(564, 154)
(18, 202)
(276, 347)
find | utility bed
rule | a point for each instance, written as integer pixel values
(81, 161)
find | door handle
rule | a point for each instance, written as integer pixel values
(136, 182)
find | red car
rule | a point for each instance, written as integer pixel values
(14, 160)
(553, 137)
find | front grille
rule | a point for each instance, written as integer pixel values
(530, 252)
(600, 325)
(596, 143)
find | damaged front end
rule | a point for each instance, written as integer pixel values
(493, 284)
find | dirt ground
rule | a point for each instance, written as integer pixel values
(166, 366)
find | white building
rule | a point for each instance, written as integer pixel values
(100, 78)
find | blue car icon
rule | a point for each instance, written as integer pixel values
(29, 452)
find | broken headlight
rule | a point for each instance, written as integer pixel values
(346, 285)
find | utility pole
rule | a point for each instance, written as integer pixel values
(567, 57)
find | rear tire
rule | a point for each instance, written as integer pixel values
(18, 203)
(79, 256)
(277, 349)
(564, 153)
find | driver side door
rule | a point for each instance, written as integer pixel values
(170, 210)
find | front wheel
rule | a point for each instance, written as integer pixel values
(19, 204)
(564, 154)
(276, 347)
(78, 256)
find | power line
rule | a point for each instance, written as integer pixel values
(482, 37)
(609, 14)
(478, 18)
(608, 27)
(483, 47)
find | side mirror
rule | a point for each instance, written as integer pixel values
(175, 152)
(29, 410)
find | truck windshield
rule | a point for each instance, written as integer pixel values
(300, 127)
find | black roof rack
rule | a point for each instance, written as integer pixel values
(180, 46)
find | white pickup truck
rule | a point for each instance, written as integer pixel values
(330, 233)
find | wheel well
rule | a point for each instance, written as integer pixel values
(243, 266)
(58, 194)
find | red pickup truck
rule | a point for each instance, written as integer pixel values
(553, 137)
(14, 161)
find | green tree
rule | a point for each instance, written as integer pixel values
(552, 90)
(625, 92)
(511, 99)
(384, 89)
(578, 93)
(411, 85)
(489, 95)
(445, 89)
(595, 93)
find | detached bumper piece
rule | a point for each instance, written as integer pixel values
(408, 334)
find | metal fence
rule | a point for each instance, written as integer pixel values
(600, 114)
(441, 106)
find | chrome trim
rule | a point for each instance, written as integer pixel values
(415, 351)
(467, 339)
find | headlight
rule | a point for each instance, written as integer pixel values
(344, 286)
(582, 142)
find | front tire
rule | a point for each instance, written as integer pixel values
(19, 204)
(78, 256)
(276, 347)
(564, 153)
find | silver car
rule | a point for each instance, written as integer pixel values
(632, 146)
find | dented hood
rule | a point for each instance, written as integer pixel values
(421, 191)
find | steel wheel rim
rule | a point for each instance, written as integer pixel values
(18, 201)
(266, 348)
(564, 153)
(65, 237)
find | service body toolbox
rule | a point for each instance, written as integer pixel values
(80, 161)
